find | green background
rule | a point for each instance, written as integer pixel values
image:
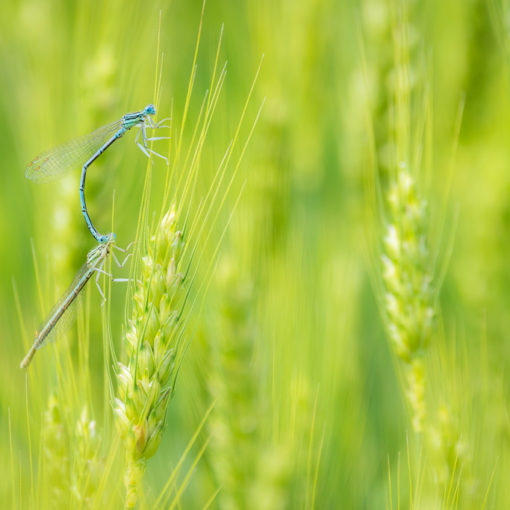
(330, 427)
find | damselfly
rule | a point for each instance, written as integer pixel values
(88, 148)
(96, 259)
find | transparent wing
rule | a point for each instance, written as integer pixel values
(64, 311)
(73, 154)
(62, 325)
(61, 315)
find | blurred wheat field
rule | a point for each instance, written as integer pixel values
(316, 312)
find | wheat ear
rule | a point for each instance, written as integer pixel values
(145, 381)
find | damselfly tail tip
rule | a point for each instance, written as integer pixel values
(27, 359)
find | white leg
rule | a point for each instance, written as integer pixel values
(144, 135)
(124, 250)
(158, 155)
(159, 123)
(99, 289)
(155, 125)
(143, 149)
(158, 138)
(146, 151)
(115, 258)
(123, 263)
(143, 145)
(102, 271)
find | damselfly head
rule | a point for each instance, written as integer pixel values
(150, 109)
(107, 238)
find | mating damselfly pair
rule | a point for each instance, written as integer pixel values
(65, 157)
(85, 150)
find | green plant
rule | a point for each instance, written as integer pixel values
(152, 346)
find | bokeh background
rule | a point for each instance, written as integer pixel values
(288, 340)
